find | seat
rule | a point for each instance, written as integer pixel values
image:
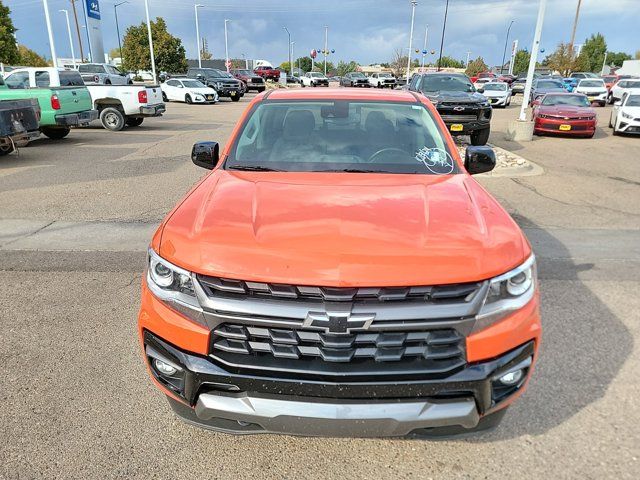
(380, 131)
(298, 142)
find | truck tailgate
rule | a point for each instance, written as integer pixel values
(73, 99)
(154, 95)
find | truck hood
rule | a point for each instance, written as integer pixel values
(337, 229)
(458, 97)
(566, 111)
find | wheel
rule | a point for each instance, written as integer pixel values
(6, 150)
(610, 99)
(130, 82)
(165, 98)
(260, 90)
(107, 82)
(134, 121)
(480, 137)
(610, 124)
(187, 99)
(112, 119)
(56, 133)
(235, 98)
(615, 130)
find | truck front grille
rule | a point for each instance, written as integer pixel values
(459, 118)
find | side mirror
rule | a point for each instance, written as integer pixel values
(479, 159)
(205, 154)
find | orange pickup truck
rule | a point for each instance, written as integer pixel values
(339, 272)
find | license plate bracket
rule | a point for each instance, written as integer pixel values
(456, 127)
(564, 127)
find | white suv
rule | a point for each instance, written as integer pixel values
(382, 80)
(314, 79)
(625, 115)
(621, 86)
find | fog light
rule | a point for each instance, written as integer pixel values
(511, 378)
(164, 368)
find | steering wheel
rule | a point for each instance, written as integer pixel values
(382, 151)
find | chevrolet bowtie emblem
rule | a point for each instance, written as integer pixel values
(338, 322)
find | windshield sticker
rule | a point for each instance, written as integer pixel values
(437, 160)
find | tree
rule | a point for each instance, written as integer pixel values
(304, 62)
(561, 60)
(637, 54)
(114, 53)
(169, 52)
(617, 58)
(591, 56)
(398, 64)
(476, 66)
(29, 58)
(205, 54)
(450, 62)
(521, 62)
(343, 67)
(8, 48)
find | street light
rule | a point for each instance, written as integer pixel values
(326, 48)
(226, 45)
(293, 56)
(444, 28)
(424, 48)
(506, 40)
(195, 8)
(73, 54)
(54, 59)
(413, 14)
(115, 10)
(289, 50)
(153, 58)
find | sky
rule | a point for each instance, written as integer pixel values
(367, 31)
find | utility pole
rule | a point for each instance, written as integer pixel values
(424, 48)
(115, 9)
(293, 56)
(153, 58)
(289, 51)
(54, 58)
(604, 64)
(468, 55)
(195, 7)
(326, 46)
(73, 54)
(504, 52)
(575, 25)
(532, 61)
(444, 27)
(413, 14)
(75, 16)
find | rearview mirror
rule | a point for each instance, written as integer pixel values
(206, 154)
(479, 159)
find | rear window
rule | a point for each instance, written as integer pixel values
(545, 84)
(88, 68)
(71, 78)
(591, 83)
(342, 136)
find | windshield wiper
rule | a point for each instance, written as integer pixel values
(254, 168)
(359, 170)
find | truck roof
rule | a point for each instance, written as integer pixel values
(343, 94)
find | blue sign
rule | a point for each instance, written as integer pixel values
(93, 9)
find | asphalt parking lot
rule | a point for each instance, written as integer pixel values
(75, 218)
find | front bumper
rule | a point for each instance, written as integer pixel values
(629, 126)
(498, 101)
(237, 402)
(552, 125)
(467, 127)
(75, 119)
(152, 110)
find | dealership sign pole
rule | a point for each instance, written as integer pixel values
(514, 50)
(532, 61)
(54, 59)
(153, 58)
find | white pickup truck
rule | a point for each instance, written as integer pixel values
(117, 105)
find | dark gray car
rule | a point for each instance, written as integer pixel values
(543, 86)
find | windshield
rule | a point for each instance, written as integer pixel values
(211, 72)
(591, 83)
(498, 87)
(446, 83)
(633, 84)
(341, 136)
(193, 84)
(357, 75)
(633, 101)
(316, 74)
(548, 84)
(609, 79)
(570, 100)
(384, 75)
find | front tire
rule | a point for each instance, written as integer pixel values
(6, 150)
(55, 133)
(480, 137)
(134, 121)
(188, 99)
(165, 98)
(112, 119)
(235, 98)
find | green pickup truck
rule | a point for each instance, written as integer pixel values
(62, 107)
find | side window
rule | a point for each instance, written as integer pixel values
(623, 84)
(172, 83)
(17, 80)
(42, 79)
(83, 68)
(415, 80)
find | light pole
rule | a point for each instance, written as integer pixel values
(289, 50)
(513, 56)
(246, 61)
(73, 54)
(115, 10)
(153, 58)
(532, 61)
(468, 56)
(444, 28)
(413, 14)
(293, 56)
(326, 48)
(424, 48)
(195, 8)
(506, 40)
(226, 45)
(45, 4)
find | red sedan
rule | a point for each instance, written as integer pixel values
(565, 114)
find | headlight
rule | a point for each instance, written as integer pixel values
(626, 115)
(173, 286)
(507, 293)
(199, 97)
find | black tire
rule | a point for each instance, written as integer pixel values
(610, 124)
(260, 90)
(130, 82)
(134, 121)
(610, 99)
(187, 99)
(480, 137)
(6, 150)
(235, 98)
(112, 119)
(107, 82)
(165, 98)
(55, 133)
